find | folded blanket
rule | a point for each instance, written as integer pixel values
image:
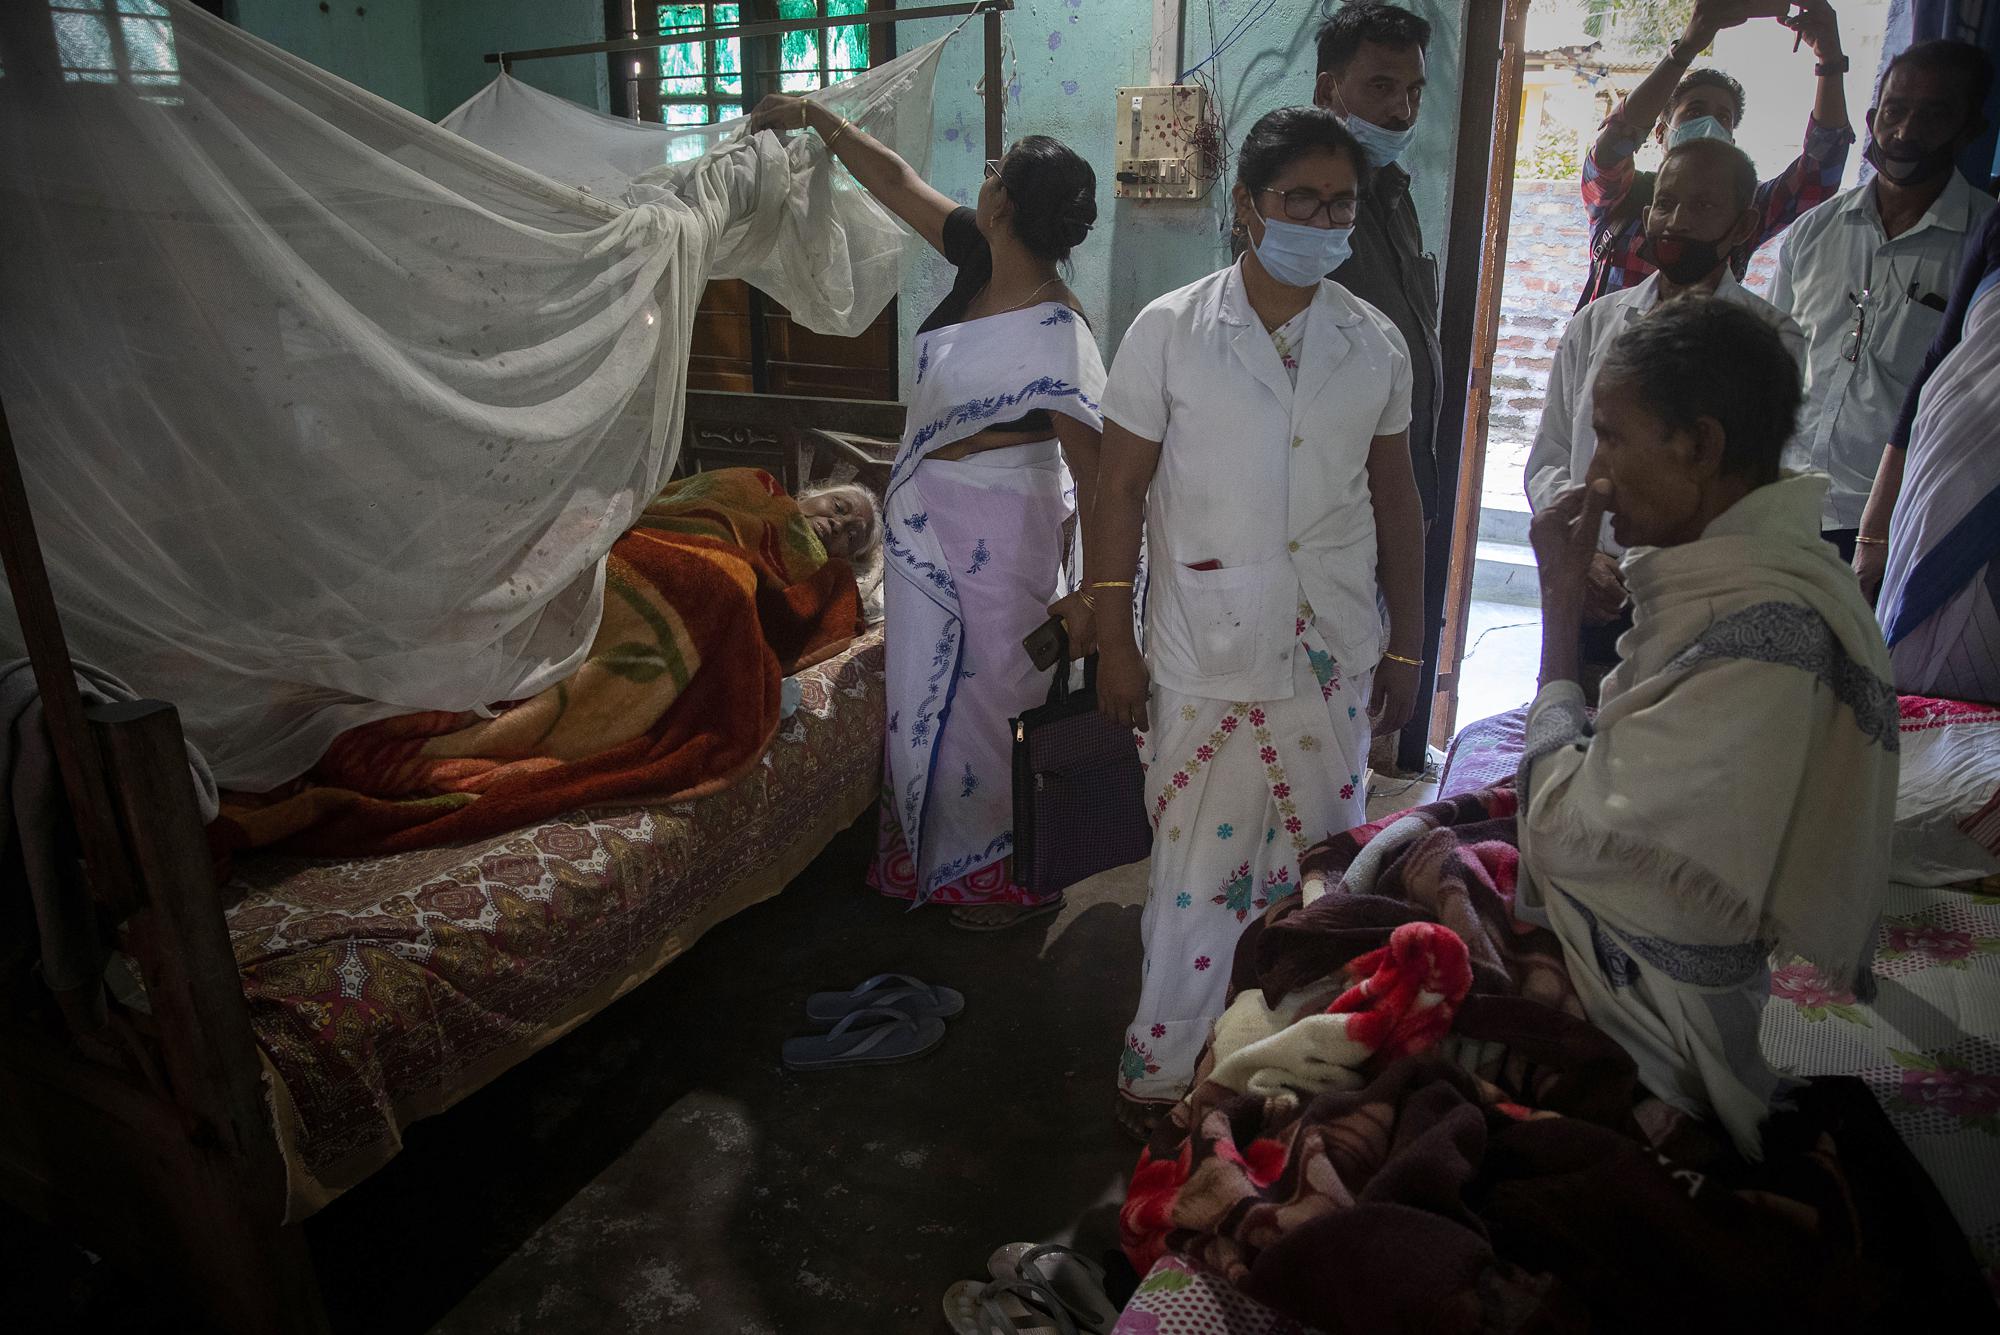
(716, 593)
(1437, 1140)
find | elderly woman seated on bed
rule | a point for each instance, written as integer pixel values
(1733, 795)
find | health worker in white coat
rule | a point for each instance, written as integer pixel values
(1256, 423)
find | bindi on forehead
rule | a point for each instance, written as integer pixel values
(1327, 173)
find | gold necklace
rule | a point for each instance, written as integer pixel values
(1031, 297)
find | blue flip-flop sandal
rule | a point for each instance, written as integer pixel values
(887, 991)
(876, 1036)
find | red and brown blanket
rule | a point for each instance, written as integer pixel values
(717, 592)
(1454, 1147)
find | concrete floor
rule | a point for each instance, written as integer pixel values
(1503, 655)
(658, 1170)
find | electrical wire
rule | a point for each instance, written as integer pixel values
(1236, 33)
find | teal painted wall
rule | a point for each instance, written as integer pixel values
(428, 55)
(1067, 59)
(457, 34)
(375, 43)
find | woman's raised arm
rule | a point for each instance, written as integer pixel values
(881, 172)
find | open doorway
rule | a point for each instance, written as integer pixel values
(1578, 58)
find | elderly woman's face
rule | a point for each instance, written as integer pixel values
(843, 523)
(1656, 479)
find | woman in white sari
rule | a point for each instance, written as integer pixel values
(1938, 563)
(1257, 425)
(1003, 413)
(1734, 793)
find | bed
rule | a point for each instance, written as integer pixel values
(384, 990)
(267, 1041)
(1927, 1046)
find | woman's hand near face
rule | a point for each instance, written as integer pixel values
(1564, 535)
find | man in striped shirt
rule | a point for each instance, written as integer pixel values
(1675, 105)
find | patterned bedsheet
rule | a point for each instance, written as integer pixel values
(384, 990)
(1928, 1045)
(1178, 1298)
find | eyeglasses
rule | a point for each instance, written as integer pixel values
(993, 168)
(1851, 349)
(1303, 206)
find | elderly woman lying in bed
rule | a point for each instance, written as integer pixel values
(723, 585)
(1733, 795)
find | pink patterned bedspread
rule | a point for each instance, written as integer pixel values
(383, 990)
(1178, 1298)
(1484, 753)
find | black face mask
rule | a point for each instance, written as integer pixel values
(1683, 260)
(1915, 171)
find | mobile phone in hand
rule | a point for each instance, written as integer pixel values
(1046, 643)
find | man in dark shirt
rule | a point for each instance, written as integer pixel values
(1371, 75)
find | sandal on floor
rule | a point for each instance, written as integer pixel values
(1076, 1281)
(1023, 913)
(1005, 1307)
(887, 991)
(876, 1036)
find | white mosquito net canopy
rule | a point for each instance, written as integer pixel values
(327, 413)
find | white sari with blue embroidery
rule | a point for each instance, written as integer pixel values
(973, 555)
(1940, 602)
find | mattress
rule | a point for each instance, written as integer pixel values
(383, 990)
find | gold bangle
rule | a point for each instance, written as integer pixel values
(835, 136)
(1088, 601)
(1112, 584)
(1406, 662)
(1863, 540)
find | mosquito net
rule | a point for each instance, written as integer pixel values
(327, 413)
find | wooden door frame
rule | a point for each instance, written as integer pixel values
(1481, 339)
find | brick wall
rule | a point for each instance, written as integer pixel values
(1548, 247)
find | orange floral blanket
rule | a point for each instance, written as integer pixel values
(716, 594)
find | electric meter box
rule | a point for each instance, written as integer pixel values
(1166, 143)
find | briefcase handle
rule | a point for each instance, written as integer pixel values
(1059, 684)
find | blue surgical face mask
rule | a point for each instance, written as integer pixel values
(1382, 146)
(1299, 256)
(1701, 127)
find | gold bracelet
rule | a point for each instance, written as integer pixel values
(1406, 662)
(1112, 584)
(1088, 601)
(1866, 541)
(835, 136)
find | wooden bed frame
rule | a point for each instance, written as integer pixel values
(145, 1134)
